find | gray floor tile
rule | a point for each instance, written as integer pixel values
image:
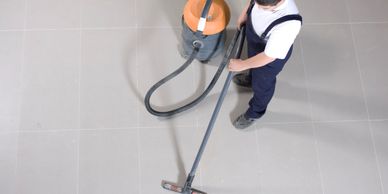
(371, 45)
(10, 76)
(347, 158)
(109, 79)
(10, 87)
(230, 162)
(315, 11)
(368, 11)
(53, 14)
(51, 80)
(236, 7)
(103, 14)
(12, 14)
(288, 159)
(10, 52)
(167, 154)
(333, 77)
(8, 161)
(47, 163)
(108, 162)
(9, 124)
(56, 81)
(380, 135)
(159, 13)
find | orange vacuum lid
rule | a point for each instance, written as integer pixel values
(217, 18)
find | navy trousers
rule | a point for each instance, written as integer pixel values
(263, 78)
(263, 86)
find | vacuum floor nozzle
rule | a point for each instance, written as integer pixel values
(177, 189)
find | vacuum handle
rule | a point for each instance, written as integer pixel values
(202, 20)
(241, 37)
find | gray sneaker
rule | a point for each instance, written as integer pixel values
(243, 80)
(243, 122)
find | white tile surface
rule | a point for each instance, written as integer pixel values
(109, 96)
(367, 11)
(12, 14)
(8, 161)
(380, 136)
(230, 162)
(103, 14)
(108, 162)
(9, 124)
(10, 77)
(73, 75)
(288, 159)
(166, 154)
(331, 11)
(49, 14)
(51, 80)
(159, 13)
(47, 163)
(371, 46)
(333, 77)
(347, 159)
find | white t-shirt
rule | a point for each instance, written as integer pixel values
(282, 36)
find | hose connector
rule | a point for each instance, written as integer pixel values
(198, 44)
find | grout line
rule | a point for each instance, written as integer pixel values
(69, 29)
(78, 161)
(259, 167)
(110, 28)
(317, 122)
(367, 108)
(378, 120)
(311, 118)
(169, 27)
(376, 157)
(67, 130)
(80, 65)
(23, 53)
(21, 88)
(139, 150)
(102, 129)
(158, 27)
(188, 126)
(139, 161)
(79, 96)
(12, 30)
(365, 103)
(342, 23)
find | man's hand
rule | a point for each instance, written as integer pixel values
(237, 65)
(241, 20)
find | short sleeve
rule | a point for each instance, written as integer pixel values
(281, 39)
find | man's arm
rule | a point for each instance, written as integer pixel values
(258, 60)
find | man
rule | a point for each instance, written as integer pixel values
(271, 29)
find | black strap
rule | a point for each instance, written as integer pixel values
(281, 20)
(251, 5)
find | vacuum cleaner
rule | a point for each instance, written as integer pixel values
(235, 48)
(203, 37)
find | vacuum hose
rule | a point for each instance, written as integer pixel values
(197, 45)
(189, 105)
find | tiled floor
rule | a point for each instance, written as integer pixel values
(73, 75)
